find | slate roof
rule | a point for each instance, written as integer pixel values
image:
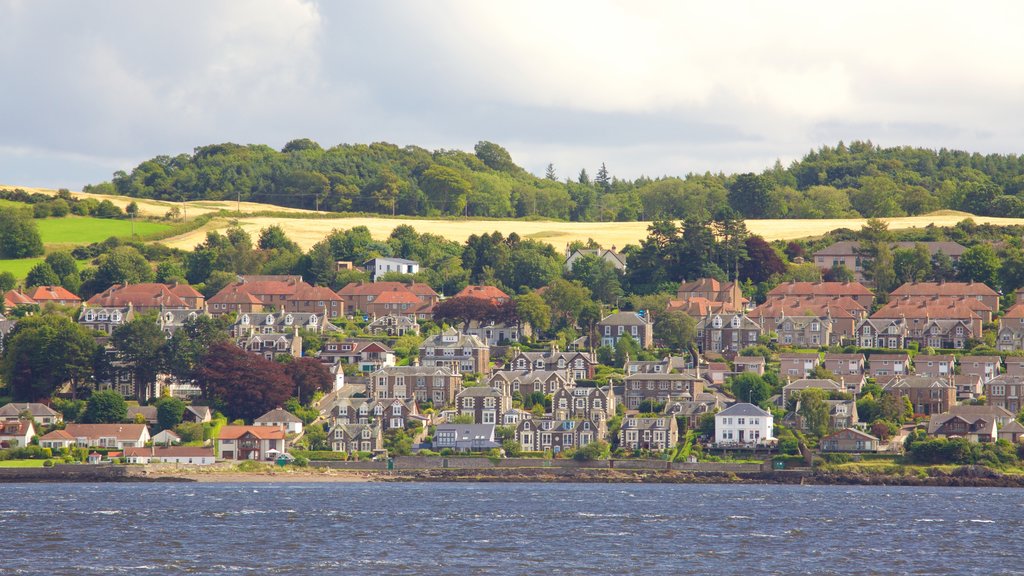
(743, 409)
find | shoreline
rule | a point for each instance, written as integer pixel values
(965, 476)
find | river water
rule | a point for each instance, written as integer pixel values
(507, 529)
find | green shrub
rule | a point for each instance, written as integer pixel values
(251, 466)
(301, 461)
(47, 463)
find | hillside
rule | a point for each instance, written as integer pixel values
(859, 180)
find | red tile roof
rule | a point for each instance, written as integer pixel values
(14, 298)
(318, 293)
(146, 295)
(1016, 311)
(119, 431)
(482, 292)
(262, 432)
(43, 294)
(184, 291)
(821, 289)
(232, 295)
(944, 289)
(934, 308)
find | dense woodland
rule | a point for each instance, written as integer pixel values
(854, 180)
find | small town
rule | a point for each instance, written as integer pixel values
(792, 372)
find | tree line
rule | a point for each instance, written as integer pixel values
(859, 180)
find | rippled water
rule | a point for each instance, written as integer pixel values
(507, 529)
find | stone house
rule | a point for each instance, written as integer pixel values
(434, 384)
(661, 387)
(581, 365)
(927, 395)
(557, 435)
(356, 437)
(485, 404)
(850, 440)
(660, 433)
(614, 326)
(587, 403)
(456, 350)
(726, 333)
(798, 365)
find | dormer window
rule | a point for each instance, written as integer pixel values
(735, 322)
(269, 320)
(245, 319)
(716, 322)
(288, 320)
(115, 317)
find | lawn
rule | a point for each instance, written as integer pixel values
(20, 267)
(21, 463)
(85, 230)
(11, 203)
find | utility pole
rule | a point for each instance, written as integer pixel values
(238, 204)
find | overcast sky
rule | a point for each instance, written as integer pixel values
(649, 88)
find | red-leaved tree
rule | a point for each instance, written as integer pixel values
(242, 384)
(308, 375)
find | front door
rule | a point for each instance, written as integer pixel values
(741, 436)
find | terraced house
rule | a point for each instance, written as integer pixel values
(648, 433)
(589, 403)
(541, 434)
(727, 333)
(458, 351)
(438, 385)
(581, 365)
(485, 404)
(527, 382)
(661, 387)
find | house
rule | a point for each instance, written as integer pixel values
(41, 413)
(380, 266)
(456, 350)
(528, 382)
(586, 403)
(119, 436)
(16, 433)
(1015, 365)
(928, 395)
(233, 299)
(884, 366)
(636, 325)
(1010, 336)
(281, 322)
(726, 333)
(558, 435)
(659, 433)
(464, 437)
(986, 367)
(938, 322)
(489, 293)
(842, 312)
(830, 387)
(486, 405)
(389, 414)
(798, 365)
(882, 333)
(804, 331)
(256, 293)
(661, 387)
(664, 366)
(55, 295)
(356, 437)
(170, 454)
(957, 290)
(393, 325)
(847, 253)
(167, 437)
(144, 297)
(281, 418)
(318, 300)
(146, 413)
(172, 320)
(618, 261)
(251, 442)
(852, 290)
(369, 356)
(1005, 391)
(198, 414)
(1012, 432)
(581, 364)
(105, 319)
(692, 411)
(57, 440)
(434, 384)
(721, 296)
(968, 386)
(272, 345)
(14, 299)
(717, 372)
(497, 333)
(975, 428)
(753, 364)
(850, 440)
(374, 299)
(934, 365)
(845, 365)
(744, 424)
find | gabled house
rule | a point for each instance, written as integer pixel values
(615, 326)
(882, 333)
(974, 428)
(968, 386)
(852, 290)
(356, 438)
(841, 414)
(939, 366)
(1010, 336)
(527, 382)
(485, 404)
(847, 253)
(58, 295)
(171, 321)
(144, 297)
(727, 333)
(753, 364)
(804, 331)
(394, 325)
(369, 356)
(251, 442)
(375, 299)
(885, 366)
(280, 418)
(617, 260)
(828, 386)
(845, 365)
(434, 384)
(850, 440)
(458, 351)
(721, 296)
(1005, 391)
(119, 436)
(937, 322)
(581, 364)
(390, 413)
(41, 413)
(1012, 432)
(16, 433)
(744, 424)
(199, 414)
(694, 410)
(272, 345)
(957, 290)
(986, 367)
(170, 454)
(104, 319)
(928, 395)
(661, 387)
(558, 435)
(659, 433)
(279, 323)
(587, 403)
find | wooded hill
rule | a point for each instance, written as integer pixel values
(860, 179)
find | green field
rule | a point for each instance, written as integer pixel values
(21, 463)
(20, 267)
(10, 203)
(85, 230)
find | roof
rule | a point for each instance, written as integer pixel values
(262, 432)
(58, 435)
(36, 409)
(820, 383)
(318, 293)
(144, 295)
(279, 415)
(16, 427)
(624, 319)
(467, 431)
(983, 359)
(232, 294)
(978, 424)
(821, 289)
(933, 358)
(52, 293)
(704, 285)
(148, 412)
(390, 259)
(184, 290)
(482, 292)
(478, 392)
(14, 298)
(919, 382)
(892, 357)
(936, 307)
(119, 431)
(840, 356)
(743, 409)
(749, 360)
(944, 289)
(799, 356)
(270, 284)
(1015, 312)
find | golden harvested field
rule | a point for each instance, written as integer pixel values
(308, 231)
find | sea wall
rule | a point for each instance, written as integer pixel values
(66, 473)
(464, 463)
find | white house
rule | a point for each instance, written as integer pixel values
(281, 418)
(166, 437)
(743, 424)
(119, 436)
(16, 433)
(381, 266)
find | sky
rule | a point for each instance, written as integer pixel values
(647, 87)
